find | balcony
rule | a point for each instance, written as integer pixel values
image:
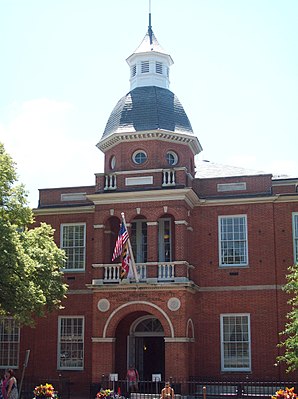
(168, 179)
(150, 273)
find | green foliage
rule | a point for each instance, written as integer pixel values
(30, 262)
(290, 333)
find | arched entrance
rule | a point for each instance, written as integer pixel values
(146, 347)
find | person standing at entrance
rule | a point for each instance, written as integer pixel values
(167, 392)
(132, 377)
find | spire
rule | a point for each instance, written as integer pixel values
(150, 27)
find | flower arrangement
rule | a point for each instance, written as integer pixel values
(287, 393)
(44, 391)
(105, 394)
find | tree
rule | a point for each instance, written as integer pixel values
(30, 262)
(290, 333)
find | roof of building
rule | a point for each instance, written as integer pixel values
(148, 108)
(150, 43)
(207, 170)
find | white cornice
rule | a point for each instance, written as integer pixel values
(165, 135)
(246, 200)
(240, 288)
(186, 195)
(64, 210)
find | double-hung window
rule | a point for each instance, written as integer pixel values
(235, 342)
(73, 241)
(233, 240)
(9, 343)
(139, 240)
(295, 237)
(71, 343)
(165, 240)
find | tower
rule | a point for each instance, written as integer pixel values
(148, 134)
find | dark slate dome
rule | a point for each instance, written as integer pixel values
(148, 108)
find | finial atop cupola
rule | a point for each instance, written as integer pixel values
(150, 27)
(149, 63)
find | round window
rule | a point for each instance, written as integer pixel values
(113, 162)
(139, 157)
(172, 158)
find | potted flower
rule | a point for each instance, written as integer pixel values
(287, 393)
(105, 394)
(45, 391)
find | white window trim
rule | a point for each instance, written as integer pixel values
(175, 156)
(139, 152)
(221, 217)
(61, 245)
(16, 365)
(59, 367)
(295, 238)
(239, 369)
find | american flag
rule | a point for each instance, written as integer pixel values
(121, 240)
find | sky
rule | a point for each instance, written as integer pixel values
(63, 69)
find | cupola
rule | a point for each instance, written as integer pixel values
(149, 64)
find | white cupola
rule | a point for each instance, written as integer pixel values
(149, 64)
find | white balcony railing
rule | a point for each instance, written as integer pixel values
(148, 273)
(110, 182)
(168, 178)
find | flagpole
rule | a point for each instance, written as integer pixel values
(134, 268)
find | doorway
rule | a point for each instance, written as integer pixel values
(146, 347)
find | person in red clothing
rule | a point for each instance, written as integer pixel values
(132, 377)
(4, 384)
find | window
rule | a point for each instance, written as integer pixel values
(235, 342)
(172, 158)
(144, 66)
(71, 343)
(133, 71)
(73, 242)
(139, 157)
(9, 343)
(158, 67)
(295, 236)
(233, 240)
(139, 240)
(165, 240)
(113, 162)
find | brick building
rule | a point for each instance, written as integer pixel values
(212, 245)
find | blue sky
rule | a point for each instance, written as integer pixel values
(63, 70)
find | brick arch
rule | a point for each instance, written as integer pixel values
(137, 306)
(112, 220)
(171, 213)
(141, 216)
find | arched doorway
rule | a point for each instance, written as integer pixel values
(146, 347)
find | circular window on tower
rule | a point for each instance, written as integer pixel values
(113, 162)
(172, 158)
(139, 157)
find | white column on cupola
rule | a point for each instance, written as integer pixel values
(149, 64)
